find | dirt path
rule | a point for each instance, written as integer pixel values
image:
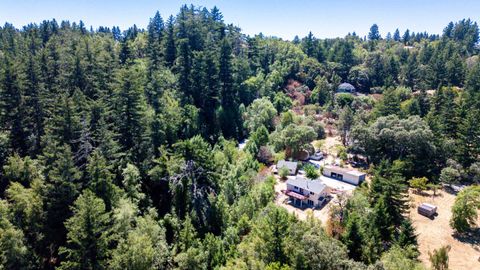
(433, 234)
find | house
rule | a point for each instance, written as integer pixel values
(345, 88)
(427, 209)
(290, 165)
(306, 193)
(347, 175)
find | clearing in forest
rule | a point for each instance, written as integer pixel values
(433, 234)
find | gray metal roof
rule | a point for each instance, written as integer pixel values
(338, 169)
(346, 87)
(315, 186)
(290, 165)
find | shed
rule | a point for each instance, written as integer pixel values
(346, 87)
(343, 174)
(427, 209)
(290, 165)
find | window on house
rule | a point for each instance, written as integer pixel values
(310, 202)
(295, 187)
(311, 193)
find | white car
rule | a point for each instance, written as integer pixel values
(317, 156)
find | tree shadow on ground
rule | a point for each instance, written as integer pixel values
(472, 237)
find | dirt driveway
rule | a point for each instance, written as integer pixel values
(433, 234)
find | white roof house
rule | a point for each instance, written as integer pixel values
(304, 192)
(346, 88)
(343, 174)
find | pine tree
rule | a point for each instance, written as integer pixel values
(170, 49)
(406, 37)
(406, 236)
(353, 239)
(308, 45)
(65, 125)
(130, 113)
(155, 33)
(61, 191)
(33, 100)
(374, 34)
(12, 108)
(469, 138)
(87, 240)
(211, 98)
(390, 103)
(100, 179)
(472, 86)
(184, 64)
(393, 191)
(229, 97)
(382, 221)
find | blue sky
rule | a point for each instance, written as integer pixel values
(282, 18)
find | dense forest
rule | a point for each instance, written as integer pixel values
(119, 149)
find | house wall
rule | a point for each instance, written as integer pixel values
(313, 197)
(352, 179)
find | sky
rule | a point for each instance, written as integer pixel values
(281, 18)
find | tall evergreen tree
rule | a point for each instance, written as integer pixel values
(155, 33)
(100, 179)
(170, 49)
(130, 113)
(229, 96)
(87, 239)
(469, 138)
(353, 239)
(12, 105)
(374, 34)
(61, 191)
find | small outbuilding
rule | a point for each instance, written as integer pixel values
(350, 176)
(345, 88)
(290, 165)
(426, 209)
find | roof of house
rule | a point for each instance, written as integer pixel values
(344, 170)
(346, 87)
(315, 186)
(290, 165)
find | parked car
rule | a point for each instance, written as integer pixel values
(454, 188)
(358, 164)
(314, 163)
(317, 156)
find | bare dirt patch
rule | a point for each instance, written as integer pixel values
(433, 234)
